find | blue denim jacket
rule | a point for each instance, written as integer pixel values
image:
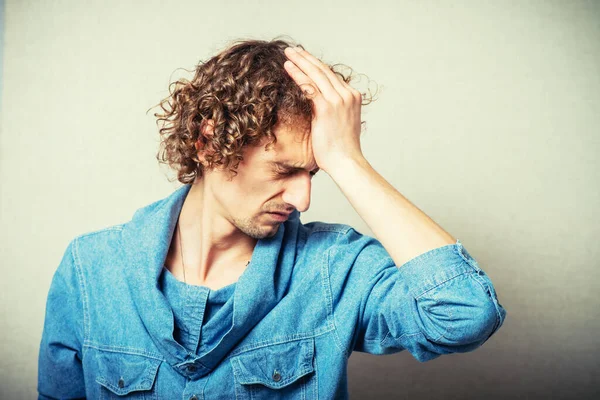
(312, 294)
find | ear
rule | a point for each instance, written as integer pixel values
(206, 128)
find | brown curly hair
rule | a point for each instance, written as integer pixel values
(246, 91)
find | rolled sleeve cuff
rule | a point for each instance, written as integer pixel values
(455, 301)
(435, 267)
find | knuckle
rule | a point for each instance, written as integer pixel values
(337, 102)
(349, 96)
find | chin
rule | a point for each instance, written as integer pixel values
(259, 231)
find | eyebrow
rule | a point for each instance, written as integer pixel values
(286, 165)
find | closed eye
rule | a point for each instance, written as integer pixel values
(286, 170)
(292, 172)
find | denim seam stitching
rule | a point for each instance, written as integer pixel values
(485, 285)
(329, 295)
(376, 278)
(337, 228)
(458, 274)
(116, 228)
(236, 376)
(382, 341)
(203, 391)
(486, 288)
(316, 385)
(82, 289)
(263, 344)
(124, 350)
(284, 382)
(267, 343)
(336, 338)
(399, 337)
(447, 329)
(153, 372)
(432, 253)
(303, 384)
(300, 375)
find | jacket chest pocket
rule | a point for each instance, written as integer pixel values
(126, 376)
(277, 371)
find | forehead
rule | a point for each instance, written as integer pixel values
(293, 148)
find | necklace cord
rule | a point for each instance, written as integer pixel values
(181, 252)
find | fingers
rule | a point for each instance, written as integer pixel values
(305, 68)
(301, 79)
(335, 81)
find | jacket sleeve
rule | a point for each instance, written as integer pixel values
(439, 302)
(60, 372)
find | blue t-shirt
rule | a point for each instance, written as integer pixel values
(202, 316)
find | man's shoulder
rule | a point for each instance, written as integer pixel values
(336, 235)
(326, 227)
(342, 237)
(98, 239)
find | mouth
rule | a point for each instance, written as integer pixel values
(279, 216)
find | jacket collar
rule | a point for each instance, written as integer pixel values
(145, 243)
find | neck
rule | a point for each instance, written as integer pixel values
(212, 245)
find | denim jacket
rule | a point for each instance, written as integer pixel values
(312, 294)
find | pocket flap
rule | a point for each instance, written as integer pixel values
(276, 365)
(122, 373)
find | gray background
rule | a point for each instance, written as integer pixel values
(487, 119)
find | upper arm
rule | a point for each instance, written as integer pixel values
(437, 303)
(60, 372)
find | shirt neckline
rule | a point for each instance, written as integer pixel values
(190, 286)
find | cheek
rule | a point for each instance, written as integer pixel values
(265, 194)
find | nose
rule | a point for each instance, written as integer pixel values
(297, 191)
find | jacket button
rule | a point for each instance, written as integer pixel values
(191, 368)
(193, 397)
(121, 383)
(276, 376)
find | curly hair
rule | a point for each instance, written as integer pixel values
(247, 92)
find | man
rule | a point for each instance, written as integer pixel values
(220, 291)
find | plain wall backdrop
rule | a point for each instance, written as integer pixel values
(488, 119)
